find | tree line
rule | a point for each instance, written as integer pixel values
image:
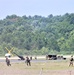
(37, 34)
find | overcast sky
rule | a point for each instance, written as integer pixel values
(35, 7)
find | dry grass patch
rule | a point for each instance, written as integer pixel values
(37, 68)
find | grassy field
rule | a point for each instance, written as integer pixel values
(51, 67)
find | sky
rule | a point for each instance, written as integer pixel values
(35, 7)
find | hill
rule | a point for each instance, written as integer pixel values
(37, 35)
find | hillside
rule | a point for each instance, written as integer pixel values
(37, 35)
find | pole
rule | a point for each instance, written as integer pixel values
(41, 71)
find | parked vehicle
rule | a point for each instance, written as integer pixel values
(54, 57)
(51, 57)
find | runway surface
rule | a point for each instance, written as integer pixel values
(17, 60)
(39, 59)
(34, 60)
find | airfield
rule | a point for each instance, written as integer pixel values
(41, 66)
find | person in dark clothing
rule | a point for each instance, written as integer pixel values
(71, 61)
(30, 58)
(8, 62)
(35, 57)
(28, 61)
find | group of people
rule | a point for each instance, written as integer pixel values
(27, 61)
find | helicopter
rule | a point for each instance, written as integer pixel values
(8, 54)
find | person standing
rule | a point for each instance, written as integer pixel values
(71, 61)
(8, 61)
(28, 61)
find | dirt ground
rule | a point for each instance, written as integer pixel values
(37, 68)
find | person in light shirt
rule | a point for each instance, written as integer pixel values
(71, 61)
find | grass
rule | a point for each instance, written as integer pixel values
(51, 67)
